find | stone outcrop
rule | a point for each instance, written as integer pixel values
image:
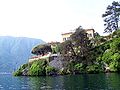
(58, 62)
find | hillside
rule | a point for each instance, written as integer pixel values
(15, 51)
(103, 56)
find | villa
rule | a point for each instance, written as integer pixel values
(66, 36)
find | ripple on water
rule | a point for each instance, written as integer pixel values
(12, 88)
(1, 87)
(45, 87)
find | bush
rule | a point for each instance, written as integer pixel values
(107, 56)
(115, 45)
(78, 68)
(17, 73)
(63, 71)
(116, 33)
(71, 66)
(93, 69)
(24, 66)
(113, 66)
(50, 70)
(37, 68)
(115, 57)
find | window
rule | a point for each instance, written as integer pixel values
(89, 35)
(64, 39)
(68, 38)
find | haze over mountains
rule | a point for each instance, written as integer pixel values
(15, 51)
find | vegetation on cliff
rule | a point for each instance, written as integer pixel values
(36, 68)
(102, 54)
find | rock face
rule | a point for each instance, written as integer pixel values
(58, 62)
(15, 51)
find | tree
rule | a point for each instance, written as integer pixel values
(111, 17)
(77, 48)
(81, 42)
(55, 46)
(41, 49)
(82, 45)
(67, 48)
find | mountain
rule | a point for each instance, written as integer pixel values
(15, 51)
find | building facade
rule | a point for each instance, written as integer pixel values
(66, 36)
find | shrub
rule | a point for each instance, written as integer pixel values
(116, 33)
(37, 68)
(63, 71)
(114, 66)
(107, 56)
(71, 66)
(24, 66)
(93, 68)
(17, 73)
(78, 68)
(115, 57)
(115, 45)
(50, 70)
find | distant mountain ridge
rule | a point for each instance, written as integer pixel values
(15, 51)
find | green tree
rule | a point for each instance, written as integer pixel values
(67, 49)
(111, 17)
(81, 43)
(115, 45)
(77, 48)
(55, 48)
(41, 49)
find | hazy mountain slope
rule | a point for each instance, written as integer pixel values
(14, 51)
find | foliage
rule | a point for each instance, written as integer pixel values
(115, 45)
(24, 66)
(20, 70)
(116, 34)
(107, 56)
(41, 49)
(96, 35)
(67, 48)
(37, 68)
(17, 73)
(71, 66)
(92, 59)
(107, 53)
(79, 68)
(112, 17)
(114, 66)
(64, 71)
(81, 57)
(93, 68)
(55, 48)
(77, 48)
(80, 42)
(50, 70)
(99, 40)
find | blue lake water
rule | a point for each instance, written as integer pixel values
(68, 82)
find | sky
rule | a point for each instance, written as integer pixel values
(48, 19)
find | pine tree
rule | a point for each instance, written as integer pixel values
(111, 17)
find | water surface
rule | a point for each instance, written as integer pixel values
(68, 82)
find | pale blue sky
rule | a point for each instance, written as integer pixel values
(47, 19)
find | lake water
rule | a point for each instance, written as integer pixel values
(68, 82)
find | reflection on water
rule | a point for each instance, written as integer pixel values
(69, 82)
